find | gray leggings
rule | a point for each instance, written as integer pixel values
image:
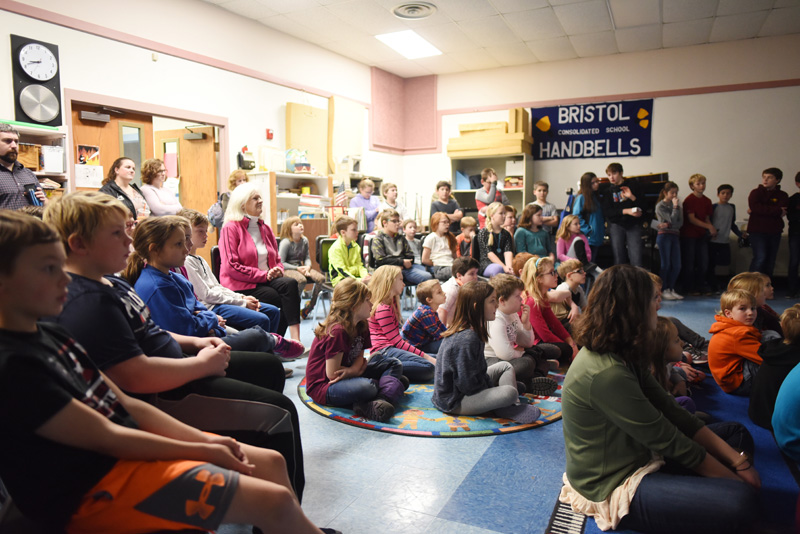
(503, 393)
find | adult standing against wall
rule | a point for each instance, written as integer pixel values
(622, 207)
(251, 263)
(161, 201)
(768, 205)
(119, 184)
(14, 177)
(590, 212)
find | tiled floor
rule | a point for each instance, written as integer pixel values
(360, 481)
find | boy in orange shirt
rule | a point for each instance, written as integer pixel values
(733, 350)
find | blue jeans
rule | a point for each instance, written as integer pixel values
(794, 262)
(431, 347)
(416, 368)
(416, 275)
(254, 339)
(626, 243)
(695, 262)
(366, 386)
(669, 248)
(765, 251)
(676, 500)
(241, 318)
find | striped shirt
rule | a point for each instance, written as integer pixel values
(384, 331)
(422, 327)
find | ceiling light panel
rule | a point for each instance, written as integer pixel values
(409, 44)
(585, 17)
(633, 13)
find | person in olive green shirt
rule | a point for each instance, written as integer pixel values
(620, 426)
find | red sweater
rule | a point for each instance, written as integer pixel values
(702, 209)
(766, 216)
(546, 326)
(239, 267)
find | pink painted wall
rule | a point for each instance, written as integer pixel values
(403, 113)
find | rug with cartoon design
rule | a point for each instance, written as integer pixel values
(416, 416)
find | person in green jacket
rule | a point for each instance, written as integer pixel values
(635, 459)
(344, 256)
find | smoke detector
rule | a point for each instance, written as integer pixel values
(414, 10)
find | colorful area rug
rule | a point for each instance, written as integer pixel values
(416, 415)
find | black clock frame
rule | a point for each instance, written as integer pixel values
(21, 79)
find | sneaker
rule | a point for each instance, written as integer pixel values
(521, 413)
(698, 356)
(306, 311)
(521, 389)
(405, 381)
(376, 410)
(288, 348)
(675, 295)
(667, 295)
(542, 386)
(287, 373)
(330, 531)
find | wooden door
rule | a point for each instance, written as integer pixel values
(106, 135)
(197, 167)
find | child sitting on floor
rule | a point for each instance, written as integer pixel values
(531, 237)
(733, 351)
(572, 244)
(239, 311)
(337, 372)
(780, 357)
(511, 338)
(424, 329)
(469, 226)
(668, 351)
(386, 286)
(757, 284)
(464, 384)
(465, 269)
(73, 435)
(574, 276)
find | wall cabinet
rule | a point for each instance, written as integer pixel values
(46, 155)
(517, 164)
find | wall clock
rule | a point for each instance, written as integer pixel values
(36, 78)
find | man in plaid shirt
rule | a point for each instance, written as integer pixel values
(424, 329)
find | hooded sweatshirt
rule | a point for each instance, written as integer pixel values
(731, 343)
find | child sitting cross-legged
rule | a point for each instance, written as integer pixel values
(511, 338)
(667, 352)
(78, 454)
(464, 384)
(733, 350)
(574, 275)
(465, 269)
(239, 311)
(337, 372)
(424, 329)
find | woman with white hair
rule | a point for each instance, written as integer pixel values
(250, 260)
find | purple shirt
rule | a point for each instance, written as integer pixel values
(370, 208)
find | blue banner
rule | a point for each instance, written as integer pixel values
(604, 130)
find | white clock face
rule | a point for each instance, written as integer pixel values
(38, 62)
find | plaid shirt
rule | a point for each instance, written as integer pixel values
(12, 186)
(422, 327)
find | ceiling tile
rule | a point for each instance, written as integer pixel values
(732, 27)
(512, 54)
(733, 7)
(372, 48)
(405, 68)
(535, 24)
(639, 39)
(786, 3)
(371, 17)
(563, 2)
(345, 48)
(586, 17)
(632, 13)
(680, 10)
(466, 9)
(594, 44)
(249, 8)
(781, 22)
(476, 60)
(287, 6)
(443, 64)
(489, 31)
(288, 26)
(514, 6)
(552, 49)
(687, 33)
(319, 24)
(448, 38)
(217, 2)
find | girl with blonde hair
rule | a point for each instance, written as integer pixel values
(337, 373)
(539, 277)
(572, 244)
(494, 246)
(759, 285)
(386, 286)
(294, 252)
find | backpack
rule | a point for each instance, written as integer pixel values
(215, 213)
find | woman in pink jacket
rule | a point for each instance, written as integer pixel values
(250, 260)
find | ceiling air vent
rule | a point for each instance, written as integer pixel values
(414, 10)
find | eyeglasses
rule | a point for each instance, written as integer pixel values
(550, 273)
(395, 221)
(579, 271)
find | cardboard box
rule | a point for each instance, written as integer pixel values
(515, 167)
(29, 156)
